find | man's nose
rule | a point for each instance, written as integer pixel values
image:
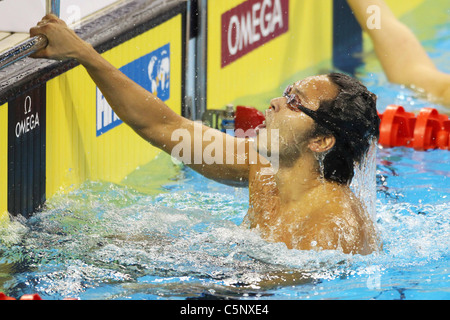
(277, 103)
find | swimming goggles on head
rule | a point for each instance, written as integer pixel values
(322, 118)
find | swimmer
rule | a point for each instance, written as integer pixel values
(326, 119)
(401, 55)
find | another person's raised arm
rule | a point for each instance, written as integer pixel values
(403, 58)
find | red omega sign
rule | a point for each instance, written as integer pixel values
(250, 25)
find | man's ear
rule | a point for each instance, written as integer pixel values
(322, 143)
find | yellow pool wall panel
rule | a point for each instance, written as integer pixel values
(3, 163)
(305, 49)
(307, 43)
(74, 151)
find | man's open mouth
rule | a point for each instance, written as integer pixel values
(261, 126)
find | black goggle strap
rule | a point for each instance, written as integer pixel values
(322, 119)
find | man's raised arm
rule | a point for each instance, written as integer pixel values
(142, 111)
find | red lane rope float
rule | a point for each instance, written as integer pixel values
(247, 119)
(5, 297)
(26, 297)
(398, 128)
(428, 130)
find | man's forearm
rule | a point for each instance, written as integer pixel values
(360, 7)
(140, 109)
(397, 48)
(137, 107)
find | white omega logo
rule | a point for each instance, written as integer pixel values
(30, 122)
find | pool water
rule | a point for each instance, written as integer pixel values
(177, 235)
(108, 241)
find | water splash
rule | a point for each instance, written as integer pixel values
(364, 181)
(111, 241)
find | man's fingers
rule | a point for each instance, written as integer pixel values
(58, 35)
(49, 18)
(35, 31)
(39, 54)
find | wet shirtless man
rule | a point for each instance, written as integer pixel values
(328, 119)
(400, 53)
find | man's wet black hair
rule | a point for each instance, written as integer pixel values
(354, 112)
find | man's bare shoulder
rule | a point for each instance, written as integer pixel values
(337, 221)
(333, 198)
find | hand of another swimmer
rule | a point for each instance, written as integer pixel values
(63, 43)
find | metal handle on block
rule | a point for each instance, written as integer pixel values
(53, 6)
(29, 46)
(22, 50)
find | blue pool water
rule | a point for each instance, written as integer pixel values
(176, 235)
(106, 241)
